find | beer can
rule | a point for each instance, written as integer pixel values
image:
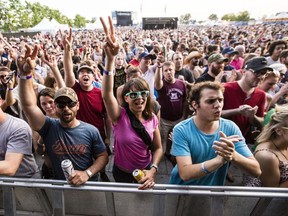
(67, 168)
(138, 174)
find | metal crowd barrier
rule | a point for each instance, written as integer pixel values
(50, 197)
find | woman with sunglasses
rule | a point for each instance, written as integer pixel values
(132, 146)
(272, 151)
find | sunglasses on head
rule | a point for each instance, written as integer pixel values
(62, 105)
(135, 95)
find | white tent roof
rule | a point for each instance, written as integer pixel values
(96, 25)
(282, 15)
(48, 26)
(59, 26)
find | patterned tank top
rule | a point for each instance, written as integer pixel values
(283, 168)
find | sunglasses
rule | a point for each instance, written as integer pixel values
(135, 95)
(62, 105)
(3, 76)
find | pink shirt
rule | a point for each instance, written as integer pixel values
(130, 151)
(237, 63)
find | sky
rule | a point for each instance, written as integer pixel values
(200, 10)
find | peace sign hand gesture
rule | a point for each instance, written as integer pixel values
(26, 62)
(111, 45)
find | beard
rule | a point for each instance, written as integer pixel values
(216, 70)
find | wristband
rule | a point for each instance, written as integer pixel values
(203, 168)
(155, 166)
(108, 73)
(25, 77)
(159, 66)
(10, 89)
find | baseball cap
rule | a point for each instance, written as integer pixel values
(256, 64)
(217, 58)
(85, 67)
(147, 55)
(66, 92)
(229, 51)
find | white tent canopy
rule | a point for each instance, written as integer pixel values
(96, 25)
(48, 26)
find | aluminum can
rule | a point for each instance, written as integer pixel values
(67, 168)
(138, 174)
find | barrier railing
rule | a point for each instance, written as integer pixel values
(50, 197)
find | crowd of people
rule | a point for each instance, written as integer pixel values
(203, 97)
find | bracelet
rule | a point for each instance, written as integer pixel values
(25, 77)
(155, 166)
(108, 73)
(203, 168)
(10, 89)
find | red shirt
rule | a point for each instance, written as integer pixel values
(91, 109)
(235, 97)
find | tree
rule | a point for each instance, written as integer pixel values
(243, 16)
(79, 21)
(229, 17)
(185, 19)
(213, 17)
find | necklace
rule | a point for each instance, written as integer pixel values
(279, 150)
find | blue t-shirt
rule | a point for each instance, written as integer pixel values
(80, 144)
(188, 140)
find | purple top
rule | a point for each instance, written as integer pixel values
(130, 151)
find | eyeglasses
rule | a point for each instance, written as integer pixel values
(135, 95)
(62, 105)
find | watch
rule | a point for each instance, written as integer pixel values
(89, 173)
(155, 166)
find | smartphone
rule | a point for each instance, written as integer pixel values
(164, 52)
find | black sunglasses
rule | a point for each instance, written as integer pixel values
(62, 105)
(3, 76)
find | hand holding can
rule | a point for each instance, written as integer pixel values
(138, 174)
(67, 168)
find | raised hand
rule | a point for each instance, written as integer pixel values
(111, 45)
(50, 60)
(67, 40)
(26, 61)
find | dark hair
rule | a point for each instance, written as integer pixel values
(284, 53)
(195, 92)
(141, 85)
(45, 92)
(49, 81)
(131, 70)
(274, 44)
(212, 48)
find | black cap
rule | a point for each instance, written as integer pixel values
(256, 64)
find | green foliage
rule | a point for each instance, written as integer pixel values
(185, 19)
(242, 16)
(14, 15)
(79, 21)
(213, 17)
